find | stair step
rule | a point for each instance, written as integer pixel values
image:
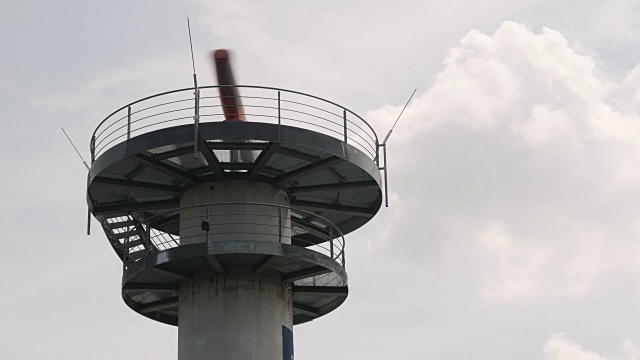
(131, 244)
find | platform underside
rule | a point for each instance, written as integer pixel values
(150, 287)
(146, 175)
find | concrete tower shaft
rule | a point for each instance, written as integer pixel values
(236, 314)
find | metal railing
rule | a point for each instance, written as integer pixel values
(233, 221)
(261, 104)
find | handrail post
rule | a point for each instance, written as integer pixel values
(124, 250)
(279, 121)
(280, 225)
(344, 245)
(386, 186)
(196, 118)
(147, 236)
(377, 154)
(344, 116)
(93, 149)
(331, 240)
(88, 221)
(128, 122)
(207, 220)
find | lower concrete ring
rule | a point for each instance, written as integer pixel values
(150, 285)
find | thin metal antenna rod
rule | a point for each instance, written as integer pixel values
(75, 148)
(394, 124)
(193, 62)
(384, 148)
(196, 116)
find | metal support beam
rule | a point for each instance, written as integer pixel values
(341, 209)
(272, 171)
(217, 145)
(314, 215)
(310, 228)
(159, 305)
(309, 169)
(145, 235)
(262, 160)
(321, 290)
(215, 263)
(135, 172)
(129, 184)
(124, 206)
(164, 221)
(166, 168)
(160, 156)
(173, 153)
(305, 309)
(298, 155)
(265, 264)
(339, 177)
(304, 273)
(356, 185)
(212, 160)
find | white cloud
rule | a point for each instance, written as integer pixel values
(528, 159)
(561, 347)
(518, 271)
(515, 77)
(545, 124)
(631, 349)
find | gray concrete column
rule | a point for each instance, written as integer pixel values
(235, 315)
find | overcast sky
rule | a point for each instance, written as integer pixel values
(514, 226)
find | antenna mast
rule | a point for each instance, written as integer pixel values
(384, 148)
(193, 62)
(401, 112)
(75, 148)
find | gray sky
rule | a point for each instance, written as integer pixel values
(514, 225)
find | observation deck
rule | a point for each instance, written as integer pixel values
(148, 154)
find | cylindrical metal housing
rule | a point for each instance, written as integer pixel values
(230, 222)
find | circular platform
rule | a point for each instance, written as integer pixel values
(143, 162)
(316, 270)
